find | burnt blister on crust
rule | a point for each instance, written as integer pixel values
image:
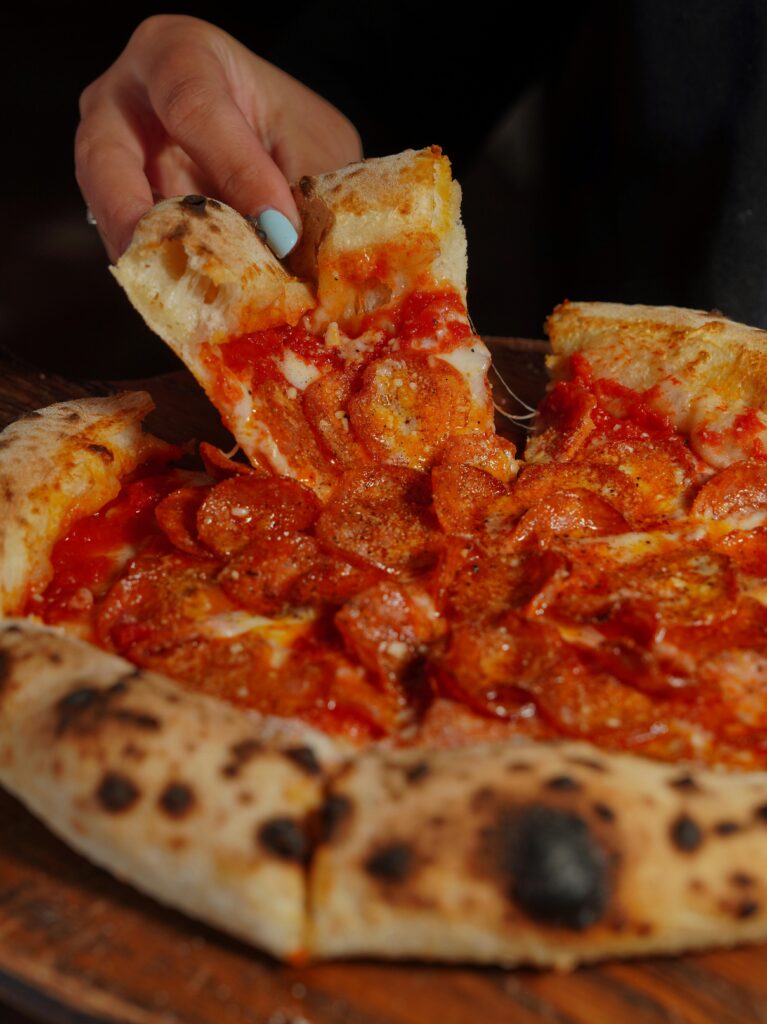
(177, 799)
(194, 203)
(116, 793)
(82, 710)
(686, 834)
(335, 810)
(305, 758)
(555, 869)
(241, 753)
(390, 863)
(285, 838)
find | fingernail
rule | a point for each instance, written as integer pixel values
(279, 233)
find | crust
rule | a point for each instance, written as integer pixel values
(376, 228)
(641, 345)
(57, 464)
(197, 271)
(200, 805)
(537, 853)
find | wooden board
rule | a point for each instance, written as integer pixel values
(77, 947)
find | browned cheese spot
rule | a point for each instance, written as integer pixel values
(116, 793)
(101, 449)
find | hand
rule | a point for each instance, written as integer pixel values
(187, 109)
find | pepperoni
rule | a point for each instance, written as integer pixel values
(575, 513)
(494, 454)
(406, 409)
(325, 402)
(461, 497)
(160, 601)
(540, 483)
(381, 516)
(566, 416)
(494, 667)
(177, 517)
(387, 626)
(260, 576)
(241, 508)
(333, 581)
(693, 587)
(747, 549)
(219, 466)
(739, 489)
(487, 581)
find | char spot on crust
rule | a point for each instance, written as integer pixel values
(760, 812)
(727, 828)
(742, 879)
(83, 709)
(685, 783)
(686, 834)
(335, 810)
(101, 449)
(7, 491)
(285, 838)
(747, 908)
(518, 766)
(551, 865)
(603, 811)
(178, 232)
(116, 793)
(240, 754)
(177, 799)
(562, 784)
(416, 772)
(305, 758)
(71, 416)
(587, 762)
(214, 203)
(194, 203)
(390, 863)
(305, 184)
(6, 663)
(138, 718)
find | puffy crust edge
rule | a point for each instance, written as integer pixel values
(202, 806)
(551, 854)
(641, 345)
(57, 464)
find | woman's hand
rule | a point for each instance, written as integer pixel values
(187, 109)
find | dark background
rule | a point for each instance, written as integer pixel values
(617, 152)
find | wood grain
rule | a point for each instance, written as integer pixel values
(78, 947)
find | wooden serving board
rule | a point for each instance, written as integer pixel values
(78, 947)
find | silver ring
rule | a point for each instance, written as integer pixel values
(89, 218)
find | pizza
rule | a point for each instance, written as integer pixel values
(377, 684)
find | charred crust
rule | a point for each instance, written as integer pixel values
(305, 184)
(214, 203)
(72, 705)
(71, 416)
(139, 719)
(194, 203)
(391, 863)
(747, 908)
(551, 865)
(418, 771)
(727, 828)
(6, 664)
(116, 793)
(305, 759)
(239, 755)
(179, 232)
(85, 708)
(334, 811)
(285, 838)
(587, 762)
(685, 784)
(562, 784)
(101, 449)
(603, 812)
(518, 766)
(742, 880)
(686, 834)
(177, 799)
(760, 812)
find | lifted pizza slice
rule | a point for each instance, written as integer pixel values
(365, 356)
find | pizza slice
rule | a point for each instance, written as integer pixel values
(366, 357)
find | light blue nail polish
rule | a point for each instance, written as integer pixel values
(280, 234)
